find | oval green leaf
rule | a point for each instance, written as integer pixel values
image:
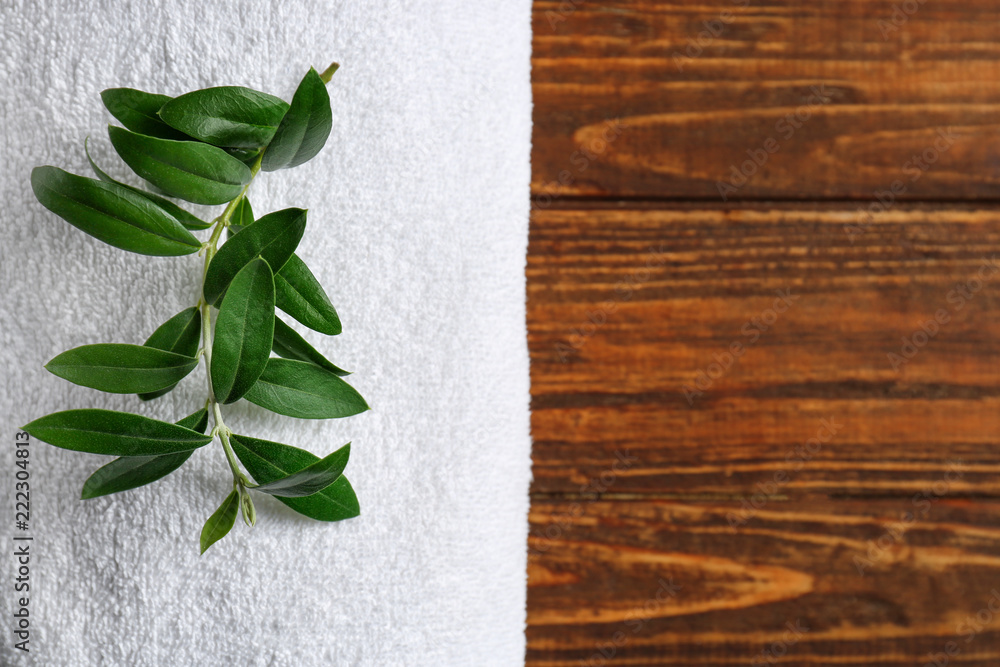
(226, 116)
(273, 237)
(137, 110)
(300, 389)
(121, 369)
(290, 345)
(130, 472)
(311, 479)
(270, 461)
(180, 334)
(112, 213)
(304, 129)
(244, 331)
(114, 433)
(189, 220)
(298, 293)
(189, 170)
(221, 522)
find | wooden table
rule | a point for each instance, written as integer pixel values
(763, 317)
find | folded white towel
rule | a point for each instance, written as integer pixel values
(417, 227)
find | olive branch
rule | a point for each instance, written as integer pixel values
(206, 147)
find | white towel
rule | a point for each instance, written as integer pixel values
(417, 227)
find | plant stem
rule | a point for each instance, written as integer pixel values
(223, 221)
(238, 476)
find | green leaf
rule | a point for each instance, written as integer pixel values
(130, 472)
(298, 293)
(270, 461)
(226, 116)
(189, 170)
(115, 433)
(112, 213)
(242, 217)
(184, 217)
(220, 523)
(197, 421)
(244, 331)
(304, 129)
(136, 110)
(180, 334)
(311, 479)
(273, 237)
(290, 345)
(303, 390)
(245, 155)
(121, 369)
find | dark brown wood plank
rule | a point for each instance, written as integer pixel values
(630, 309)
(663, 583)
(890, 81)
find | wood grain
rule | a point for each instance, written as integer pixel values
(632, 310)
(664, 583)
(684, 115)
(779, 395)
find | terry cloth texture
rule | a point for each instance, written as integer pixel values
(418, 210)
